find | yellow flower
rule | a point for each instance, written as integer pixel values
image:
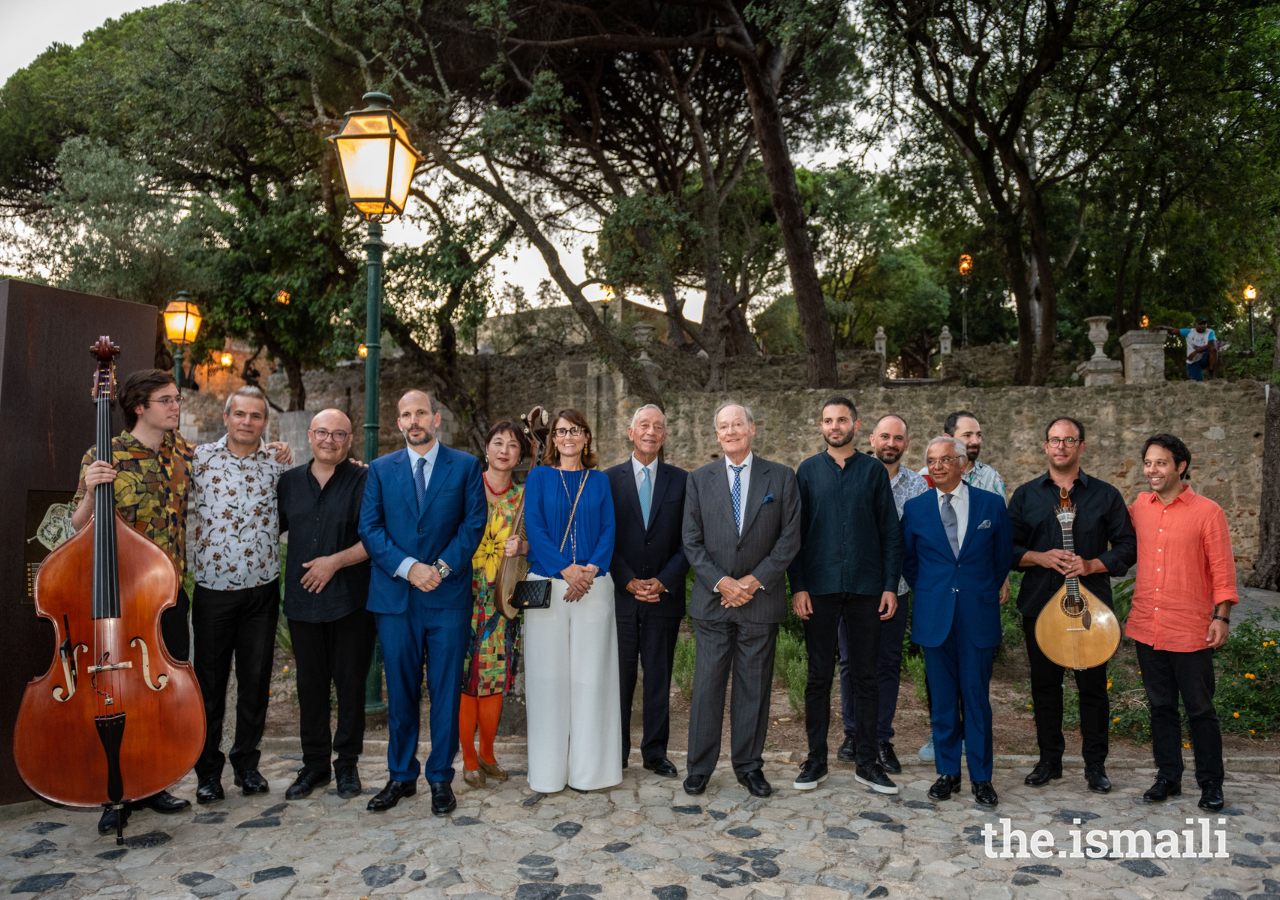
(492, 546)
(1116, 719)
(1186, 746)
(1250, 676)
(1235, 715)
(1108, 685)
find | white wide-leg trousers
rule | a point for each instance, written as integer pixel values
(571, 691)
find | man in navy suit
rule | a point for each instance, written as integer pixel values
(959, 547)
(421, 521)
(649, 571)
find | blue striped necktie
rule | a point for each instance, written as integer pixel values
(420, 481)
(737, 494)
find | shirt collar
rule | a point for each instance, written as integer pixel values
(746, 462)
(430, 456)
(1081, 478)
(1187, 493)
(636, 466)
(960, 492)
(224, 449)
(127, 439)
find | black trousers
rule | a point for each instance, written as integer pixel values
(1167, 674)
(336, 653)
(240, 623)
(861, 612)
(173, 628)
(1046, 699)
(650, 641)
(888, 673)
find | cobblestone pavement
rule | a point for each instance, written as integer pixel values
(645, 838)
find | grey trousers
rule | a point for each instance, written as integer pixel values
(746, 650)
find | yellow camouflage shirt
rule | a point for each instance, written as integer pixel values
(151, 490)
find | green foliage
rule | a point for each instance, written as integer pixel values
(1011, 636)
(791, 667)
(284, 639)
(913, 663)
(682, 672)
(1247, 683)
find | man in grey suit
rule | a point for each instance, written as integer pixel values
(741, 531)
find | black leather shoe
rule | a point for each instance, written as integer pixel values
(889, 759)
(874, 778)
(209, 790)
(107, 824)
(1162, 790)
(696, 784)
(812, 773)
(664, 767)
(1096, 777)
(1043, 773)
(442, 799)
(984, 793)
(1211, 797)
(163, 802)
(755, 783)
(250, 781)
(392, 794)
(349, 782)
(944, 787)
(847, 752)
(306, 782)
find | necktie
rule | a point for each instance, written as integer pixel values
(737, 495)
(646, 495)
(420, 481)
(951, 524)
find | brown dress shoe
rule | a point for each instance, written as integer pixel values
(494, 771)
(473, 777)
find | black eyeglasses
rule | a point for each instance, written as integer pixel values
(576, 431)
(1064, 442)
(323, 435)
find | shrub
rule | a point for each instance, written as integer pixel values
(791, 668)
(682, 673)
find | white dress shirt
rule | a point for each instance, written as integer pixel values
(960, 504)
(637, 469)
(745, 481)
(428, 467)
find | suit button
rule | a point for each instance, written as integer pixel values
(420, 532)
(957, 564)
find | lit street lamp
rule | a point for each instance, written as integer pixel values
(181, 323)
(377, 163)
(1250, 294)
(966, 268)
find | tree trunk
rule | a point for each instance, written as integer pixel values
(785, 198)
(297, 389)
(1266, 571)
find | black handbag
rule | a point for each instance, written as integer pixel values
(537, 594)
(532, 595)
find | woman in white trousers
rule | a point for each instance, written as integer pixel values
(571, 649)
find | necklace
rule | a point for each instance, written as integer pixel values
(510, 485)
(569, 532)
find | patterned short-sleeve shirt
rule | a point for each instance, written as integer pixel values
(235, 520)
(151, 489)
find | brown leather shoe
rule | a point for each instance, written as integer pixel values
(494, 771)
(473, 777)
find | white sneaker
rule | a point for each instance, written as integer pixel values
(926, 752)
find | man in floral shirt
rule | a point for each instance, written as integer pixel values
(235, 554)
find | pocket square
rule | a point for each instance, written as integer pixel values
(986, 523)
(768, 499)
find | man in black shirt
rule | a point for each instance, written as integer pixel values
(1106, 546)
(326, 589)
(848, 567)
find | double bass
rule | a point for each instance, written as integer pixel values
(1075, 629)
(115, 718)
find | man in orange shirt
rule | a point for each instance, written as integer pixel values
(1181, 613)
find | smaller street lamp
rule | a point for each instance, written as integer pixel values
(181, 323)
(226, 359)
(282, 297)
(606, 298)
(1250, 294)
(362, 351)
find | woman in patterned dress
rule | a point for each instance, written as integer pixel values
(490, 668)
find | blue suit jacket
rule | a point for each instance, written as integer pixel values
(965, 591)
(448, 527)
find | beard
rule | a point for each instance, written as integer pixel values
(888, 455)
(840, 442)
(427, 437)
(972, 452)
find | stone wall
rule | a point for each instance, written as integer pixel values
(1221, 422)
(995, 364)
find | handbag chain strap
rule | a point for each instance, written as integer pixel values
(572, 512)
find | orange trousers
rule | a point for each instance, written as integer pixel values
(484, 712)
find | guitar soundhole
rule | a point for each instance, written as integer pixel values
(1072, 606)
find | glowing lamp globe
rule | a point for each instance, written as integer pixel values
(966, 264)
(1250, 293)
(376, 157)
(182, 320)
(362, 351)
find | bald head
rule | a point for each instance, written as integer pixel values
(330, 436)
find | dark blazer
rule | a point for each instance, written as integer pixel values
(448, 527)
(964, 590)
(653, 552)
(770, 539)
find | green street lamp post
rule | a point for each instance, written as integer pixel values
(377, 163)
(181, 324)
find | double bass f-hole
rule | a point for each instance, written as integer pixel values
(67, 653)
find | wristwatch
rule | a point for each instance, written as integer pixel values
(440, 566)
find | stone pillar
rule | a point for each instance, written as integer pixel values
(1143, 356)
(1099, 370)
(944, 341)
(293, 428)
(881, 340)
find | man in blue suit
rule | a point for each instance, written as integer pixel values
(959, 547)
(421, 521)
